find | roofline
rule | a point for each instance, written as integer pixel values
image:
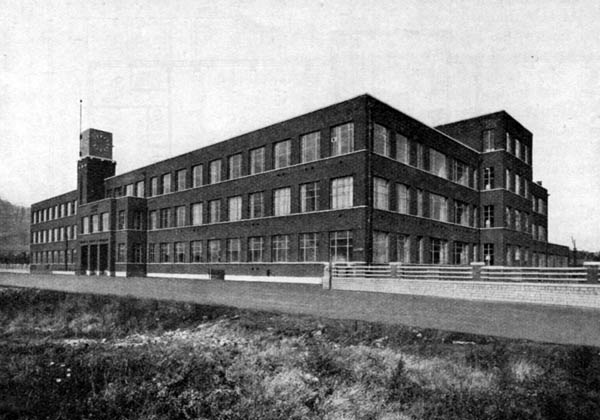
(53, 198)
(502, 112)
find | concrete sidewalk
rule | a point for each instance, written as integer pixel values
(514, 320)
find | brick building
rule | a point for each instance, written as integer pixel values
(355, 181)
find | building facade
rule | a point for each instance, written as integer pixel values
(357, 181)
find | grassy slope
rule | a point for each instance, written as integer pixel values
(83, 356)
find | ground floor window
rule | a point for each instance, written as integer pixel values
(403, 249)
(439, 251)
(196, 251)
(460, 253)
(340, 246)
(308, 246)
(121, 252)
(234, 250)
(165, 253)
(281, 248)
(381, 247)
(488, 254)
(179, 252)
(256, 249)
(151, 253)
(138, 252)
(214, 250)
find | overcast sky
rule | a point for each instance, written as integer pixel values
(168, 77)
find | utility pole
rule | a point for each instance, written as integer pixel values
(574, 251)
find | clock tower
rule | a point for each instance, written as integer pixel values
(95, 164)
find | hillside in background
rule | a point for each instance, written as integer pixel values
(14, 228)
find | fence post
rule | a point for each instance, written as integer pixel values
(395, 270)
(326, 276)
(476, 267)
(592, 271)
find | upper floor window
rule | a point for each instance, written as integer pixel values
(256, 204)
(488, 140)
(420, 197)
(381, 140)
(508, 143)
(517, 148)
(342, 192)
(129, 190)
(460, 172)
(166, 183)
(381, 194)
(153, 220)
(214, 211)
(105, 222)
(420, 155)
(488, 216)
(85, 226)
(438, 207)
(282, 153)
(138, 220)
(525, 153)
(165, 218)
(214, 175)
(461, 213)
(507, 180)
(196, 214)
(197, 176)
(235, 166)
(518, 184)
(310, 147)
(154, 186)
(95, 223)
(281, 202)
(402, 198)
(402, 148)
(235, 208)
(180, 216)
(437, 163)
(181, 179)
(488, 178)
(309, 197)
(257, 160)
(139, 189)
(342, 139)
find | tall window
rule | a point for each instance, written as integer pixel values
(342, 139)
(488, 140)
(129, 190)
(420, 156)
(381, 247)
(517, 220)
(308, 246)
(214, 175)
(381, 194)
(518, 184)
(282, 153)
(257, 160)
(196, 251)
(154, 186)
(153, 220)
(181, 179)
(214, 211)
(166, 183)
(403, 249)
(488, 216)
(139, 189)
(256, 249)
(105, 223)
(138, 220)
(165, 252)
(508, 143)
(235, 208)
(121, 220)
(438, 207)
(256, 205)
(281, 202)
(121, 253)
(342, 193)
(402, 198)
(197, 176)
(234, 250)
(488, 254)
(310, 147)
(402, 148)
(507, 180)
(439, 251)
(281, 248)
(138, 253)
(196, 214)
(381, 140)
(460, 253)
(235, 166)
(460, 172)
(95, 227)
(508, 217)
(437, 163)
(165, 218)
(488, 178)
(180, 216)
(340, 246)
(461, 213)
(517, 148)
(420, 203)
(214, 250)
(309, 197)
(179, 252)
(152, 253)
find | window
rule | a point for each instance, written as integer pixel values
(488, 178)
(165, 218)
(517, 220)
(402, 198)
(137, 220)
(121, 220)
(438, 207)
(403, 249)
(488, 140)
(402, 148)
(517, 184)
(138, 253)
(381, 140)
(281, 248)
(255, 249)
(342, 139)
(180, 216)
(197, 176)
(437, 163)
(541, 206)
(525, 188)
(309, 197)
(196, 251)
(235, 166)
(139, 189)
(257, 160)
(129, 190)
(508, 217)
(420, 163)
(235, 208)
(342, 193)
(281, 202)
(525, 153)
(381, 194)
(340, 246)
(381, 247)
(105, 222)
(214, 211)
(488, 216)
(153, 220)
(508, 143)
(234, 250)
(518, 148)
(95, 222)
(164, 252)
(488, 254)
(461, 213)
(507, 180)
(196, 214)
(121, 253)
(214, 250)
(214, 175)
(460, 253)
(282, 154)
(420, 201)
(256, 205)
(154, 186)
(179, 252)
(439, 251)
(181, 176)
(460, 173)
(166, 183)
(308, 247)
(310, 147)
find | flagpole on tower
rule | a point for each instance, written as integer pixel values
(80, 115)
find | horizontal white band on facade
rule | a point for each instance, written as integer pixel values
(180, 276)
(62, 272)
(120, 274)
(247, 278)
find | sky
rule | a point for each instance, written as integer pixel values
(167, 77)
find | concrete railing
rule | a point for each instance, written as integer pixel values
(14, 268)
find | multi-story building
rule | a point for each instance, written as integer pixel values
(355, 181)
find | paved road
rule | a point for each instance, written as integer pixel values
(515, 320)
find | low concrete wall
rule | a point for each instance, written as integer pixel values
(580, 295)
